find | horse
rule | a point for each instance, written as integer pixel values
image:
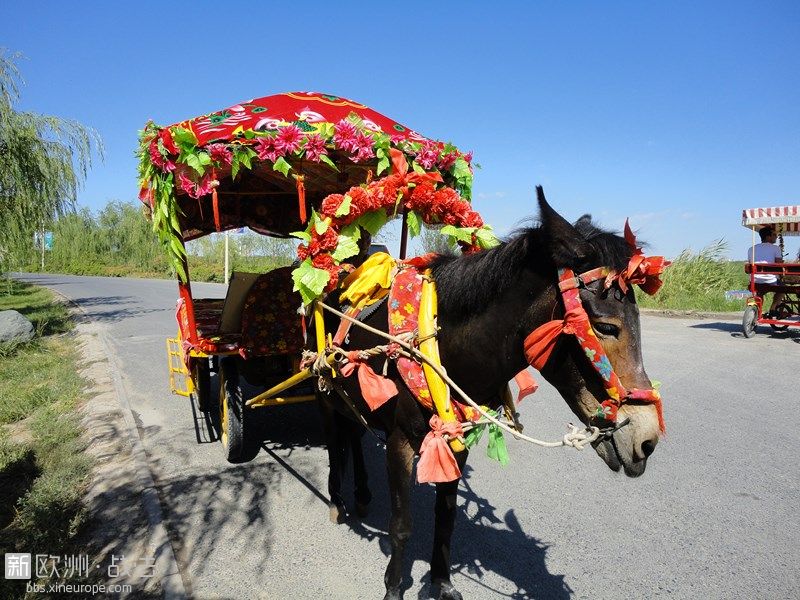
(489, 301)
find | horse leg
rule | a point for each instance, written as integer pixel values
(445, 512)
(399, 461)
(337, 459)
(362, 493)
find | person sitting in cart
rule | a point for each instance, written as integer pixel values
(767, 252)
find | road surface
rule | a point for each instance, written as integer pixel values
(714, 516)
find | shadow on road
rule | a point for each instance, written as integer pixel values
(735, 330)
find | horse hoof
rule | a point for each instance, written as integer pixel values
(393, 595)
(337, 514)
(448, 592)
(362, 510)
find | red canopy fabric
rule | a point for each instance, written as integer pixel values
(304, 108)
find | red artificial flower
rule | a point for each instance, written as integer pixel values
(421, 198)
(220, 154)
(331, 204)
(473, 219)
(166, 138)
(323, 261)
(315, 147)
(328, 240)
(313, 248)
(289, 139)
(155, 154)
(360, 201)
(333, 281)
(345, 135)
(302, 252)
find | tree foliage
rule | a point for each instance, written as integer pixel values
(43, 161)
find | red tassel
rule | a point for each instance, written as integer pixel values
(215, 203)
(301, 197)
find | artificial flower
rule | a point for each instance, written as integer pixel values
(220, 154)
(427, 155)
(315, 147)
(266, 149)
(331, 204)
(288, 139)
(345, 135)
(363, 147)
(166, 139)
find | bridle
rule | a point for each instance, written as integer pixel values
(641, 270)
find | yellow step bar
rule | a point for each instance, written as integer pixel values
(177, 369)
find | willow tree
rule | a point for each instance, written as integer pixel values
(43, 161)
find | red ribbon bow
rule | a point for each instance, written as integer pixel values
(400, 170)
(436, 461)
(642, 270)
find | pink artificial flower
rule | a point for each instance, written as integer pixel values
(468, 157)
(315, 147)
(168, 166)
(186, 184)
(289, 139)
(345, 135)
(363, 147)
(220, 153)
(206, 185)
(266, 149)
(155, 154)
(396, 138)
(447, 161)
(427, 155)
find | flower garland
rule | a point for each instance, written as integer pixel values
(333, 233)
(171, 161)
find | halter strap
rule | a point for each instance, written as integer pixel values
(539, 344)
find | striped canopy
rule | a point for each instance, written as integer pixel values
(785, 219)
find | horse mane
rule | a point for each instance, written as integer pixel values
(467, 284)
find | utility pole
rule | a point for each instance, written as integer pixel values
(226, 258)
(41, 239)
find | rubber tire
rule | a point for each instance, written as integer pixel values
(749, 321)
(235, 438)
(784, 312)
(201, 377)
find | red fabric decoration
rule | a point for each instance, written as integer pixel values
(436, 461)
(375, 389)
(526, 383)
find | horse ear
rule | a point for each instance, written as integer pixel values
(567, 246)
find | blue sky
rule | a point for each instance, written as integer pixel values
(676, 114)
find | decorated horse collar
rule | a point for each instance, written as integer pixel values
(641, 270)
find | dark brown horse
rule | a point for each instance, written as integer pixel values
(488, 303)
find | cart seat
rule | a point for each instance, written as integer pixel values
(270, 322)
(766, 288)
(207, 315)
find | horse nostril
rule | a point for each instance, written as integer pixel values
(648, 446)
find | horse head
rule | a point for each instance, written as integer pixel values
(610, 304)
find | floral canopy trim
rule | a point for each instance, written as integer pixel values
(278, 132)
(332, 235)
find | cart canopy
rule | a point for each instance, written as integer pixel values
(785, 219)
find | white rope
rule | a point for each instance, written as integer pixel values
(574, 438)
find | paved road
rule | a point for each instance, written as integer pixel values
(715, 516)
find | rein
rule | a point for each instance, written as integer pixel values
(641, 270)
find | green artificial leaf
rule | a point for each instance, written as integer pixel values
(461, 234)
(244, 156)
(497, 445)
(303, 235)
(417, 168)
(193, 161)
(309, 281)
(249, 134)
(204, 158)
(474, 435)
(463, 177)
(173, 221)
(373, 220)
(383, 160)
(234, 166)
(321, 226)
(351, 231)
(346, 248)
(486, 238)
(282, 166)
(414, 224)
(184, 138)
(344, 207)
(324, 158)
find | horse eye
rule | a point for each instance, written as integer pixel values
(606, 329)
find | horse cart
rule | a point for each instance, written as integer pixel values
(307, 165)
(784, 277)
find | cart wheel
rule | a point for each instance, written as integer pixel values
(749, 321)
(201, 377)
(782, 311)
(234, 416)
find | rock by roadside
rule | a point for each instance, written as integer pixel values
(14, 328)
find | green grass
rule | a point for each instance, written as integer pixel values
(43, 470)
(699, 282)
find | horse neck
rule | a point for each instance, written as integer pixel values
(485, 345)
